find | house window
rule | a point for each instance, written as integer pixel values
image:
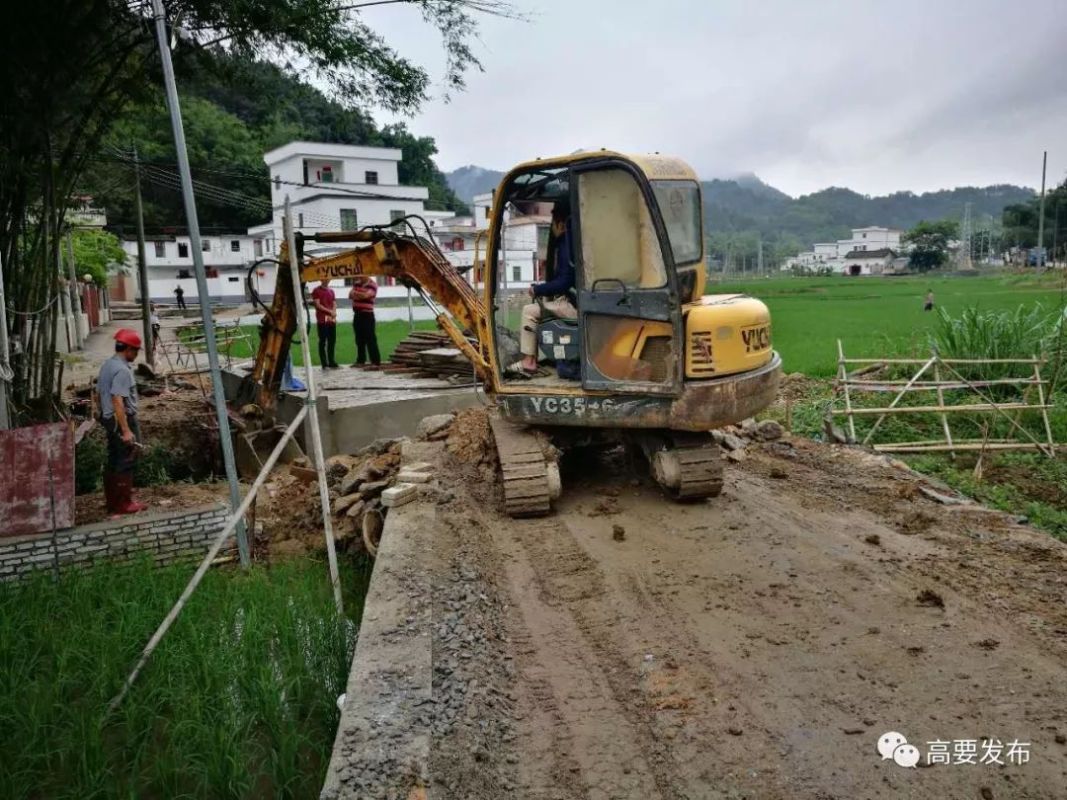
(161, 249)
(300, 220)
(278, 182)
(233, 280)
(370, 177)
(235, 245)
(457, 243)
(205, 245)
(864, 236)
(183, 250)
(257, 248)
(183, 275)
(349, 219)
(516, 273)
(395, 216)
(327, 174)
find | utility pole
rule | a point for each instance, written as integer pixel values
(759, 255)
(142, 264)
(75, 292)
(6, 373)
(1040, 261)
(221, 412)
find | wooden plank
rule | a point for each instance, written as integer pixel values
(945, 360)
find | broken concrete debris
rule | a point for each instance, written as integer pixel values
(399, 495)
(435, 427)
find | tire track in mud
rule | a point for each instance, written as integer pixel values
(658, 699)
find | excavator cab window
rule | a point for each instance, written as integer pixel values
(536, 208)
(628, 310)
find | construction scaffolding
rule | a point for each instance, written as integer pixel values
(939, 376)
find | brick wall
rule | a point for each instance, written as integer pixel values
(167, 537)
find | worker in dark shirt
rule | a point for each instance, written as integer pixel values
(554, 296)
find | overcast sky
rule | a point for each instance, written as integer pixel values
(875, 95)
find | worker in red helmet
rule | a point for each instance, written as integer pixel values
(117, 391)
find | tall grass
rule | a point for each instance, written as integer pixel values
(238, 701)
(1027, 331)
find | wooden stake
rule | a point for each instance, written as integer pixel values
(1044, 409)
(941, 402)
(843, 378)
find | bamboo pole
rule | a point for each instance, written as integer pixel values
(959, 445)
(941, 402)
(925, 386)
(897, 399)
(943, 360)
(310, 403)
(1000, 408)
(212, 552)
(843, 377)
(987, 406)
(1044, 411)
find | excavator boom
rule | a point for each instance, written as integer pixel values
(409, 259)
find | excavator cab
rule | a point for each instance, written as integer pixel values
(628, 331)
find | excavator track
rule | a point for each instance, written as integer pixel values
(687, 466)
(531, 481)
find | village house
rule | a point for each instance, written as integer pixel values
(855, 255)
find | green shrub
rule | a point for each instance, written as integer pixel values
(90, 456)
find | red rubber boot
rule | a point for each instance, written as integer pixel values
(124, 494)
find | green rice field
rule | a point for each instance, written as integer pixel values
(878, 316)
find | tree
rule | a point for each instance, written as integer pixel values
(95, 252)
(929, 243)
(68, 69)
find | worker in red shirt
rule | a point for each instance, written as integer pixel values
(362, 295)
(325, 303)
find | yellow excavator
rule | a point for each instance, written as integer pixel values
(652, 361)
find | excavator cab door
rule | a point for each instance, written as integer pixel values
(629, 315)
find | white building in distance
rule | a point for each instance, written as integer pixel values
(337, 187)
(227, 259)
(854, 256)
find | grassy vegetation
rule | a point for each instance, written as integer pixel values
(238, 701)
(1021, 483)
(989, 317)
(878, 316)
(389, 335)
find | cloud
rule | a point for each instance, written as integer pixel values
(873, 95)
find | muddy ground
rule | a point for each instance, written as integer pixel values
(752, 646)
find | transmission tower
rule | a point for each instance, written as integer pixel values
(963, 255)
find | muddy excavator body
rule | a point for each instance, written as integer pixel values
(642, 355)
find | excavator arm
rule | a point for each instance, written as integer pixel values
(411, 260)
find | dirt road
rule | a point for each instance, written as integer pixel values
(752, 646)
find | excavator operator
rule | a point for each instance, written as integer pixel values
(555, 296)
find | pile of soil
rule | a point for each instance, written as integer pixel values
(470, 439)
(289, 511)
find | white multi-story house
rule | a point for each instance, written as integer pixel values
(227, 258)
(849, 256)
(334, 187)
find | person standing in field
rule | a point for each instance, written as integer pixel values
(325, 302)
(928, 305)
(179, 292)
(117, 392)
(362, 294)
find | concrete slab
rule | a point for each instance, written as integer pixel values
(382, 747)
(356, 407)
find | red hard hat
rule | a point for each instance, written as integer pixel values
(128, 338)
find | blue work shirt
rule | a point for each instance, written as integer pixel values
(563, 280)
(116, 380)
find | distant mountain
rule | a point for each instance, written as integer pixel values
(471, 180)
(741, 210)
